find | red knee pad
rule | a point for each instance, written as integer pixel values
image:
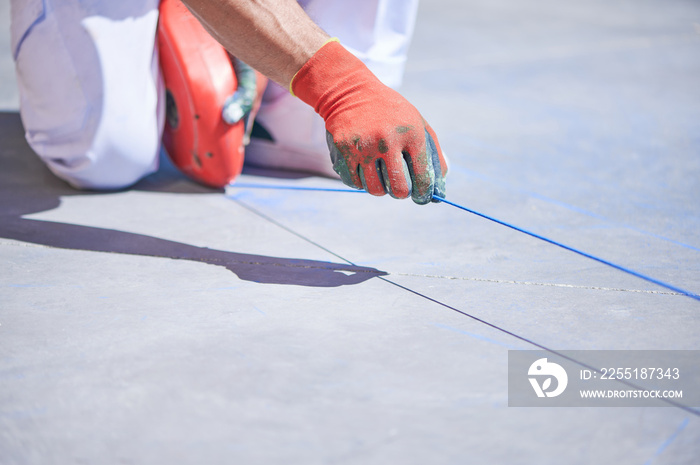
(199, 77)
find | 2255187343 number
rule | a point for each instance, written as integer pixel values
(640, 373)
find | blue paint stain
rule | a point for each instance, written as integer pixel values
(474, 335)
(668, 441)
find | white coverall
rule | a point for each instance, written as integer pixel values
(91, 94)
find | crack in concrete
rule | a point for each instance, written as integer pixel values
(534, 283)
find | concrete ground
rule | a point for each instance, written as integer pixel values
(173, 324)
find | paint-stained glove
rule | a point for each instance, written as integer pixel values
(378, 140)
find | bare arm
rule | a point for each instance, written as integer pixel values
(276, 37)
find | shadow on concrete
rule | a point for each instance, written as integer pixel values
(27, 187)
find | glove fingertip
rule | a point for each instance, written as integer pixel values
(434, 156)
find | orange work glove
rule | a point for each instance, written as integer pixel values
(377, 139)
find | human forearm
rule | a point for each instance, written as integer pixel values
(276, 37)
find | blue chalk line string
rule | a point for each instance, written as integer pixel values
(577, 251)
(495, 220)
(294, 188)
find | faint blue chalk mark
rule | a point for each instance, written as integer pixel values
(19, 414)
(474, 335)
(29, 286)
(259, 311)
(668, 441)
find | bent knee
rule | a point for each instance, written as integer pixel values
(95, 117)
(109, 163)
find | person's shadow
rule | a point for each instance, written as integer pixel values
(27, 187)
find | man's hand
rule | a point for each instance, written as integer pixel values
(378, 140)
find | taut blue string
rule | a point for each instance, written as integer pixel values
(293, 188)
(580, 252)
(503, 223)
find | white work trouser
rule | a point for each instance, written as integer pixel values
(91, 94)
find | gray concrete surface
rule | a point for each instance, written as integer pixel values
(172, 324)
